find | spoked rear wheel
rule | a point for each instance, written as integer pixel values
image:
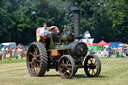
(66, 66)
(37, 59)
(92, 66)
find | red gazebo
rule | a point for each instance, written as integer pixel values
(87, 43)
(95, 44)
(102, 43)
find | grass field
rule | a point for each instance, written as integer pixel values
(114, 72)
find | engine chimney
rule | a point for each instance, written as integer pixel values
(76, 16)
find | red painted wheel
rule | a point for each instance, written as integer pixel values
(66, 66)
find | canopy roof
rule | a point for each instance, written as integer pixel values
(88, 43)
(102, 42)
(95, 44)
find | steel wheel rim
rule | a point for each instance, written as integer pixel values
(34, 59)
(65, 67)
(92, 66)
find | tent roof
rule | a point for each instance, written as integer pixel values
(95, 44)
(115, 44)
(88, 43)
(102, 42)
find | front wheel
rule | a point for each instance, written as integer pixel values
(92, 66)
(66, 66)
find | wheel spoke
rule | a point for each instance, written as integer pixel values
(95, 62)
(30, 62)
(34, 47)
(66, 74)
(38, 61)
(38, 56)
(32, 68)
(63, 61)
(61, 68)
(93, 71)
(89, 70)
(69, 68)
(31, 54)
(67, 62)
(36, 52)
(91, 61)
(38, 65)
(88, 65)
(96, 66)
(35, 68)
(61, 64)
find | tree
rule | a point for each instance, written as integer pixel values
(19, 19)
(105, 19)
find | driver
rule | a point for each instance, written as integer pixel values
(44, 35)
(44, 31)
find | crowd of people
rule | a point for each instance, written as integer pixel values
(112, 52)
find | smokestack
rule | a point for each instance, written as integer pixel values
(76, 16)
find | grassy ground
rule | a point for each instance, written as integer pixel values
(12, 61)
(114, 72)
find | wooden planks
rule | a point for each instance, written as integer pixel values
(55, 53)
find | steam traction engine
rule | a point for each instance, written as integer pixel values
(65, 55)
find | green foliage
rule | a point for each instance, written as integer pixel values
(12, 61)
(19, 19)
(105, 19)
